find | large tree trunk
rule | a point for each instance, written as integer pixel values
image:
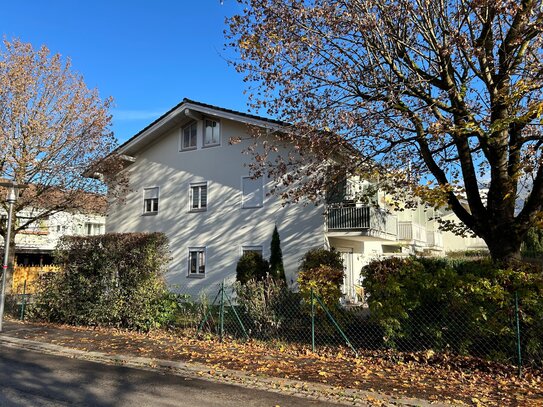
(504, 244)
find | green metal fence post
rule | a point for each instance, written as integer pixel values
(517, 319)
(221, 314)
(338, 328)
(23, 302)
(206, 316)
(237, 317)
(312, 320)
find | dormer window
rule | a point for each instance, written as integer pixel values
(188, 136)
(212, 133)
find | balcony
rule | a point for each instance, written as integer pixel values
(366, 220)
(434, 239)
(412, 232)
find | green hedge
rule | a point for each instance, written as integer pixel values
(321, 270)
(109, 280)
(466, 306)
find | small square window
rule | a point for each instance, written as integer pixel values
(212, 129)
(150, 200)
(197, 261)
(198, 196)
(252, 192)
(189, 136)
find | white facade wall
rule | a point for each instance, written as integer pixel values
(453, 242)
(225, 227)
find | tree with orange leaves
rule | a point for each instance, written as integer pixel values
(52, 128)
(445, 95)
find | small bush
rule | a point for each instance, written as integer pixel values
(251, 266)
(110, 280)
(267, 305)
(321, 257)
(325, 282)
(322, 271)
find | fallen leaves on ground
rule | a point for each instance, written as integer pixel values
(434, 377)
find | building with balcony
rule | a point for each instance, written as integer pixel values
(36, 240)
(188, 181)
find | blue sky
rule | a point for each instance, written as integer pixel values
(147, 55)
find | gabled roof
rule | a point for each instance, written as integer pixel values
(178, 114)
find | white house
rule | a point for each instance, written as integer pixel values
(187, 181)
(35, 243)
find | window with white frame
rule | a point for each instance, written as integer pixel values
(212, 132)
(150, 200)
(188, 136)
(251, 249)
(252, 192)
(197, 261)
(198, 196)
(93, 229)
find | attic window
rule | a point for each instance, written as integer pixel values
(188, 136)
(212, 133)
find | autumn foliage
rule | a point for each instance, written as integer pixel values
(438, 99)
(321, 271)
(53, 128)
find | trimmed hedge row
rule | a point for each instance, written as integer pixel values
(466, 306)
(109, 280)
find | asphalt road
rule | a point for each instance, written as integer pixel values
(34, 379)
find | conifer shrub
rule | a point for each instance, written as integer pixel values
(277, 269)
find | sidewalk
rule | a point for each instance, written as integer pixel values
(335, 379)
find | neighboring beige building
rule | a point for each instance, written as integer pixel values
(455, 243)
(35, 244)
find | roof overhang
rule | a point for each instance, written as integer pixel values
(183, 113)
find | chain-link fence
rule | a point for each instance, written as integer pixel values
(503, 332)
(507, 330)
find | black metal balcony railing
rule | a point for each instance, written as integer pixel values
(348, 218)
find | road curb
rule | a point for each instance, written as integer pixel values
(193, 370)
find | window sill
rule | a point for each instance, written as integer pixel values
(211, 145)
(188, 149)
(150, 213)
(198, 276)
(198, 210)
(252, 207)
